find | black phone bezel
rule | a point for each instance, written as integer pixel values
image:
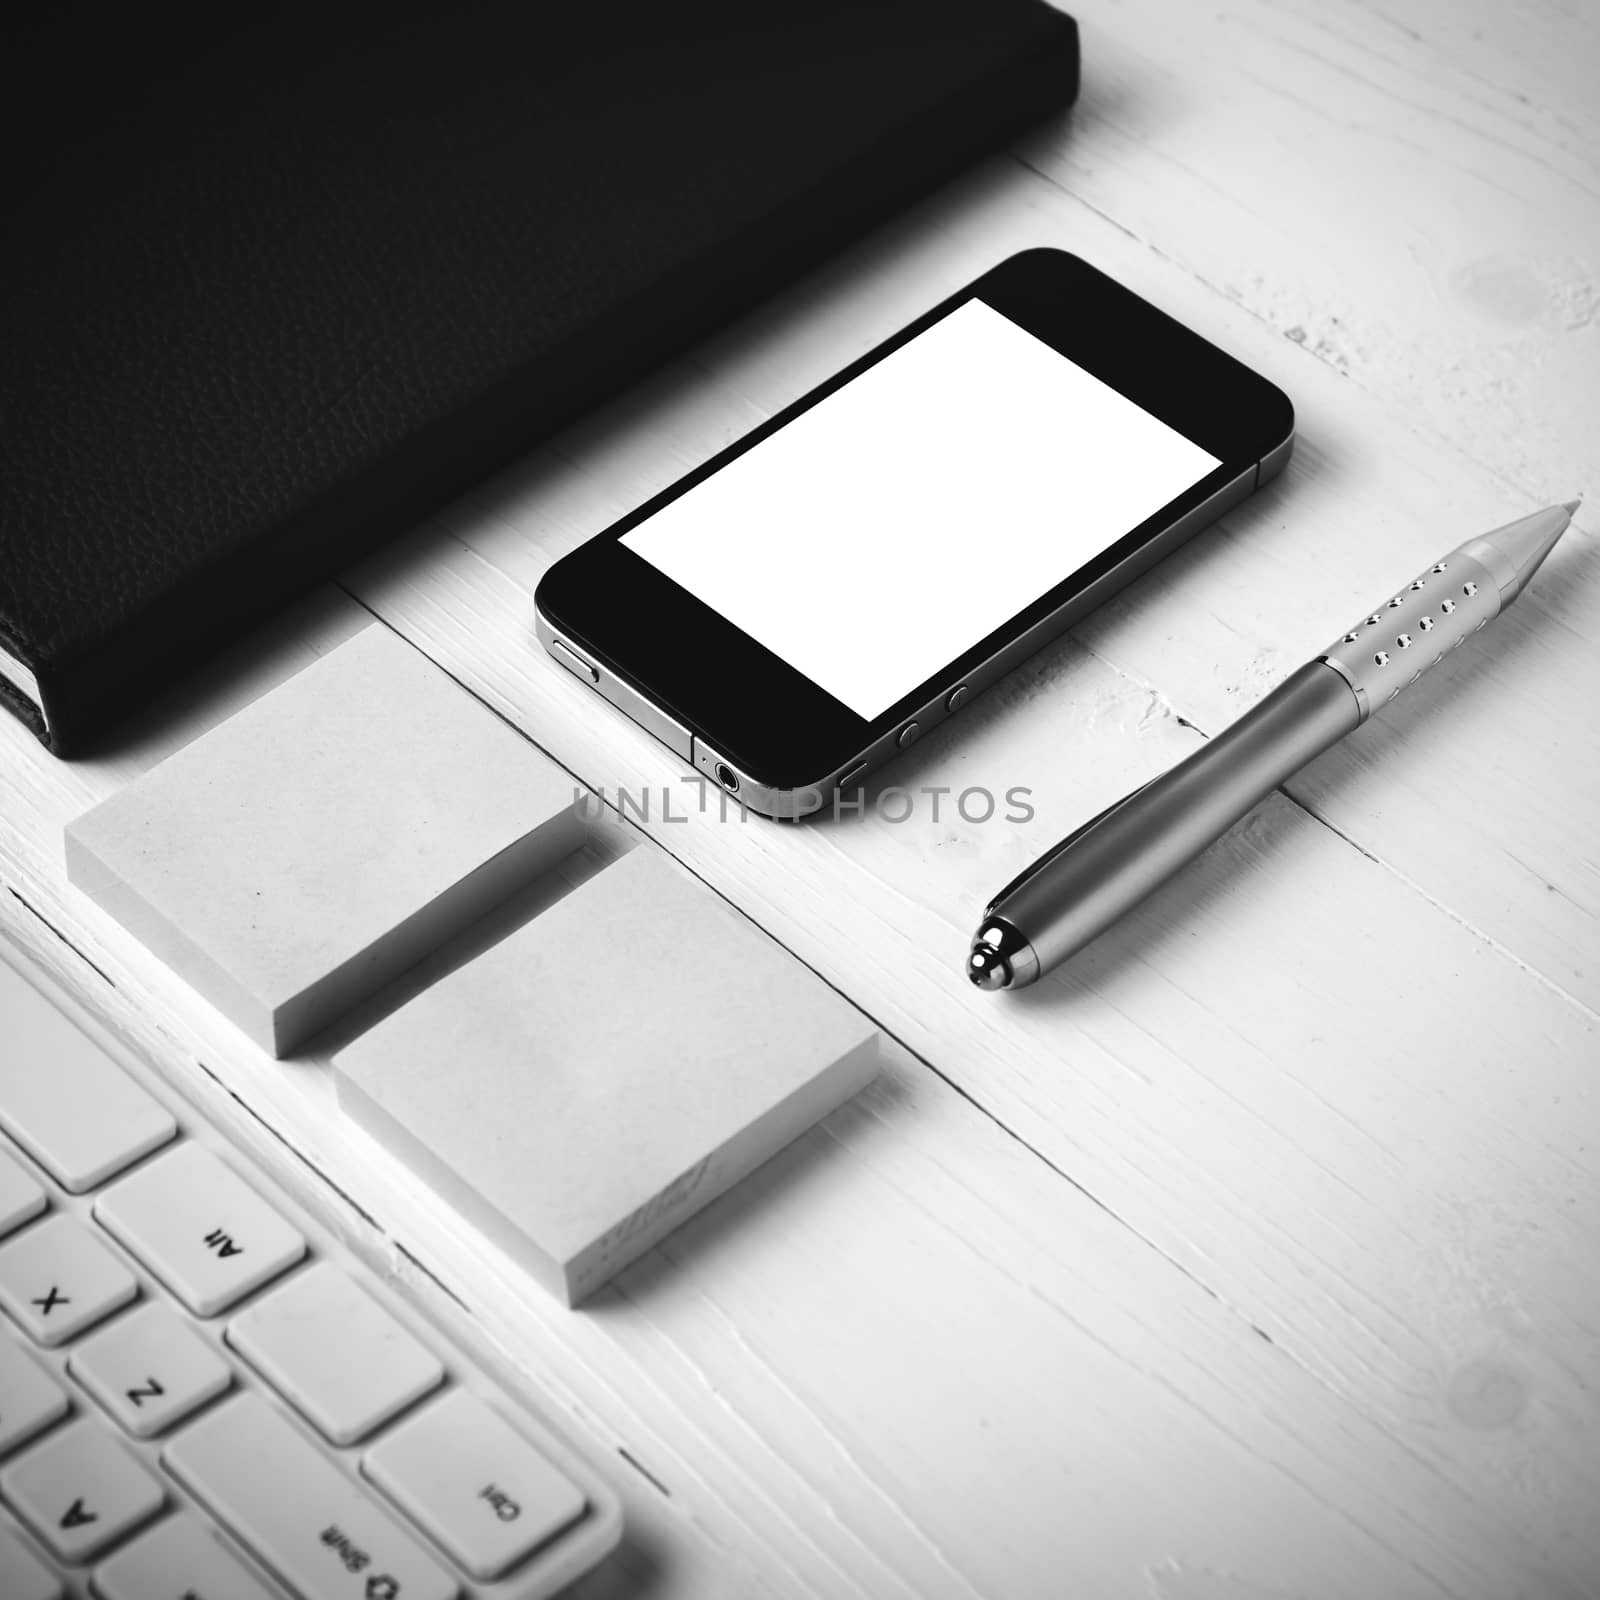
(768, 719)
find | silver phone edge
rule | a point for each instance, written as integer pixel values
(791, 804)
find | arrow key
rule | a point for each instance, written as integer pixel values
(149, 1369)
(338, 1357)
(80, 1491)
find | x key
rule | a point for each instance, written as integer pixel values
(56, 1279)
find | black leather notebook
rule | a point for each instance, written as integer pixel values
(276, 287)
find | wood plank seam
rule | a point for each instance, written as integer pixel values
(1314, 350)
(1455, 916)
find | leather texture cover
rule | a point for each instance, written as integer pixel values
(278, 285)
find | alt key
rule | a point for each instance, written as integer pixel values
(465, 1475)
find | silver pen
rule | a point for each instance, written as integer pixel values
(1079, 888)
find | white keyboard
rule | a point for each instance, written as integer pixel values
(203, 1396)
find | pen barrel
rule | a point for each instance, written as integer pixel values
(1135, 847)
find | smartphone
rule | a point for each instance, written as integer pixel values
(805, 605)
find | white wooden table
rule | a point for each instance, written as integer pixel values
(1257, 1252)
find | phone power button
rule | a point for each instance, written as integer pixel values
(573, 662)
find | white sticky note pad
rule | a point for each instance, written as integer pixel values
(311, 848)
(606, 1070)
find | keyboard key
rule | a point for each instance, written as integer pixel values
(81, 1490)
(71, 1107)
(204, 1232)
(30, 1399)
(287, 1503)
(20, 1197)
(472, 1481)
(23, 1576)
(57, 1279)
(334, 1354)
(148, 1369)
(177, 1560)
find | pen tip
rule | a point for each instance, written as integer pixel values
(1514, 552)
(1571, 506)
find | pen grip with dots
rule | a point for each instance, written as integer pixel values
(1394, 645)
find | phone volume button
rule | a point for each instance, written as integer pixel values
(573, 662)
(908, 734)
(958, 698)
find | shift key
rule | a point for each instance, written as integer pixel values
(296, 1511)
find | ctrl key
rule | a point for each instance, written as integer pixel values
(463, 1473)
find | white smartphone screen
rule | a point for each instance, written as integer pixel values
(889, 528)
